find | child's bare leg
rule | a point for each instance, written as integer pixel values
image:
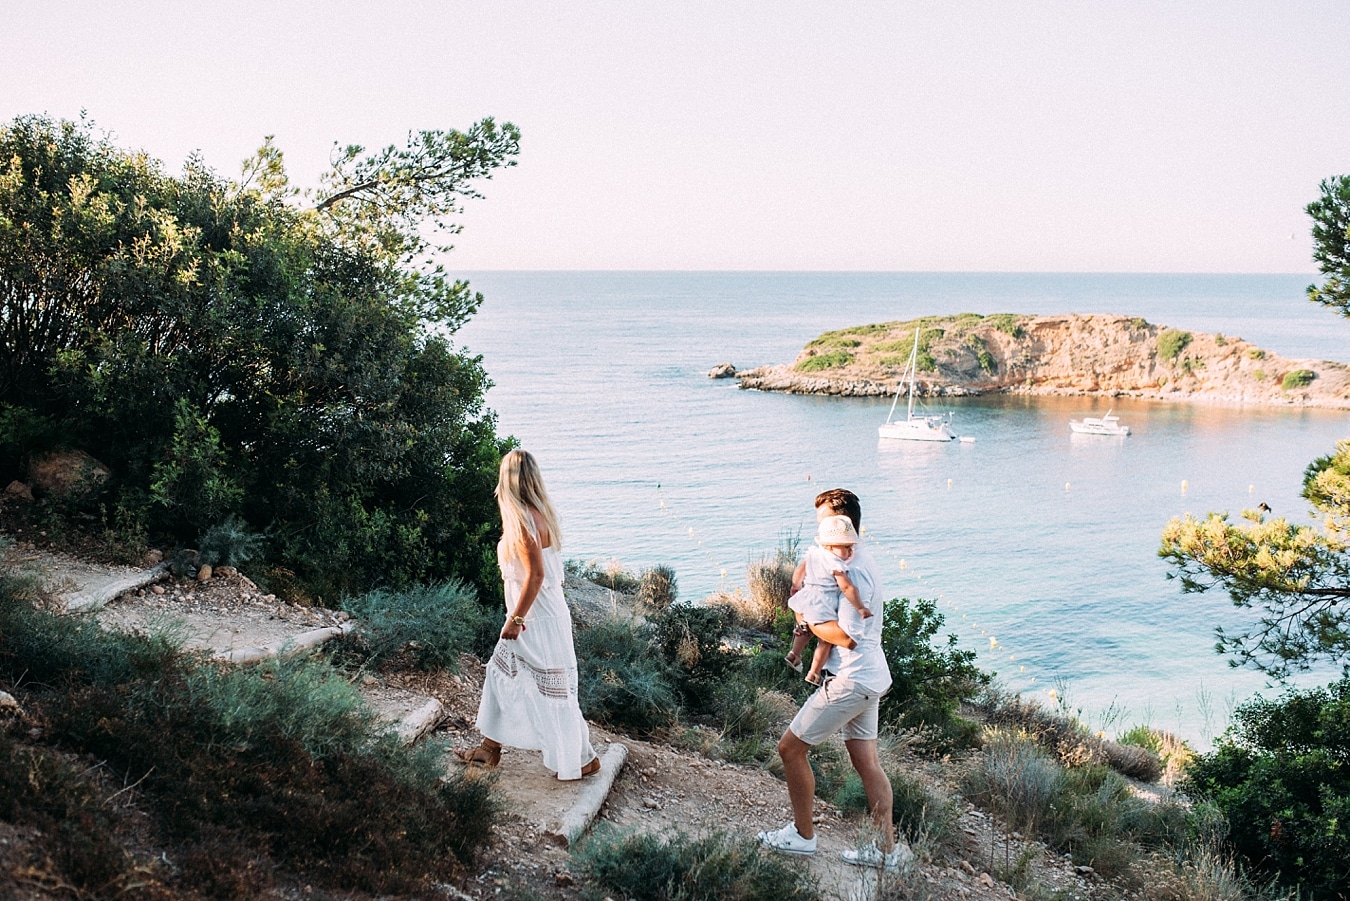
(800, 636)
(818, 661)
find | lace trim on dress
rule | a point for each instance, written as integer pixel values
(551, 683)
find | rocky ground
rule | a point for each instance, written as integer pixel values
(662, 788)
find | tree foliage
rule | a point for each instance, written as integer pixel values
(1331, 244)
(1281, 776)
(929, 679)
(1298, 576)
(229, 352)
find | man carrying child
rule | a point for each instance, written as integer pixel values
(855, 676)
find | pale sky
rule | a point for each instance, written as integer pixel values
(941, 136)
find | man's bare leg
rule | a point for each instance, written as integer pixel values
(801, 782)
(863, 753)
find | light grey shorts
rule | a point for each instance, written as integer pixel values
(838, 706)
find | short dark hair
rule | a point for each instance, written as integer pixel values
(842, 502)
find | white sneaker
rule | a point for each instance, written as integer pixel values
(869, 855)
(788, 839)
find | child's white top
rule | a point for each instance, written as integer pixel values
(818, 600)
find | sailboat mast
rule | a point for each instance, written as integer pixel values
(913, 366)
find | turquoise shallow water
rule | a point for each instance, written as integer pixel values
(1040, 540)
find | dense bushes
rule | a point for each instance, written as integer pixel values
(426, 627)
(227, 354)
(43, 790)
(680, 868)
(278, 766)
(1281, 775)
(622, 682)
(928, 681)
(1086, 811)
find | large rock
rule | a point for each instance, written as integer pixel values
(20, 490)
(61, 473)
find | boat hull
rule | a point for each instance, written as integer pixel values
(917, 430)
(1092, 429)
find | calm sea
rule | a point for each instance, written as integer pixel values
(1039, 545)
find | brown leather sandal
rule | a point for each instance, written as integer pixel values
(485, 755)
(591, 768)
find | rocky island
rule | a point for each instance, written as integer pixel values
(1069, 354)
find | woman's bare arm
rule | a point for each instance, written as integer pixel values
(531, 557)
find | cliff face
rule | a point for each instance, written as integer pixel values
(1066, 354)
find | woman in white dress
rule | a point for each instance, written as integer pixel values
(530, 689)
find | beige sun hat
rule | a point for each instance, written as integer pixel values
(836, 530)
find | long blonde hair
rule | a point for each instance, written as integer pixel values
(520, 489)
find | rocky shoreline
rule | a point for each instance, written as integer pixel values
(1066, 355)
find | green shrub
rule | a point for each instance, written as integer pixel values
(1008, 323)
(832, 360)
(751, 721)
(1280, 776)
(925, 362)
(656, 589)
(690, 639)
(229, 543)
(717, 867)
(1299, 378)
(1016, 779)
(928, 337)
(1172, 342)
(1220, 340)
(425, 628)
(921, 816)
(1259, 375)
(846, 338)
(1256, 353)
(928, 682)
(1138, 323)
(622, 683)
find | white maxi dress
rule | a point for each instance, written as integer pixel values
(530, 690)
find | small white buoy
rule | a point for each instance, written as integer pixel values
(1251, 488)
(1066, 486)
(949, 483)
(1183, 486)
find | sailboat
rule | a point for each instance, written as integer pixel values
(914, 428)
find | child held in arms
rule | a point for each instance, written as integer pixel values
(817, 585)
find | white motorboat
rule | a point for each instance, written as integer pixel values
(1105, 425)
(924, 427)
